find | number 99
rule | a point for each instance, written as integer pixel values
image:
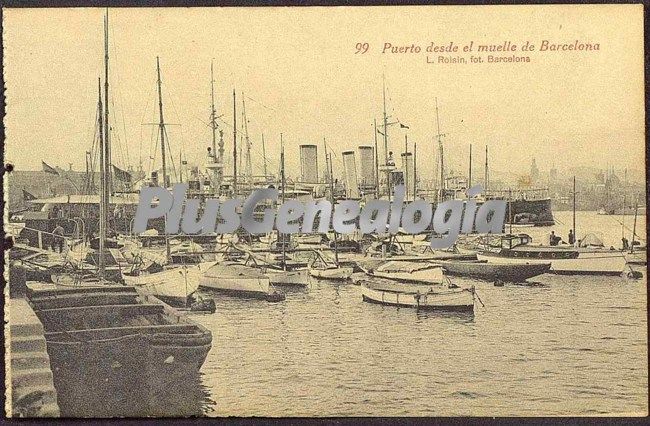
(362, 48)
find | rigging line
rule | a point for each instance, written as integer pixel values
(182, 148)
(114, 72)
(155, 134)
(171, 158)
(260, 103)
(144, 112)
(152, 158)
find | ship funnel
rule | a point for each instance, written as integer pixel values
(408, 167)
(309, 163)
(350, 170)
(367, 165)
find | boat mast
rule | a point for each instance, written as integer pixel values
(213, 121)
(385, 122)
(328, 164)
(415, 169)
(440, 149)
(282, 182)
(264, 155)
(575, 231)
(327, 169)
(107, 129)
(249, 167)
(624, 200)
(385, 139)
(485, 182)
(376, 163)
(234, 142)
(510, 209)
(406, 166)
(469, 181)
(161, 125)
(636, 209)
(162, 144)
(102, 186)
(218, 173)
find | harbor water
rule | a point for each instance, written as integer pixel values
(559, 345)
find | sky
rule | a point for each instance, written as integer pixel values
(300, 76)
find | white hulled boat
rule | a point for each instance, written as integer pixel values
(235, 279)
(438, 298)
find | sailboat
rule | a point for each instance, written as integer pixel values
(174, 283)
(285, 274)
(320, 268)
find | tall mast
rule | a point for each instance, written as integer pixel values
(441, 152)
(102, 186)
(624, 200)
(406, 166)
(415, 169)
(331, 177)
(575, 231)
(327, 170)
(469, 182)
(107, 132)
(213, 121)
(385, 138)
(485, 182)
(636, 210)
(161, 125)
(264, 155)
(284, 241)
(249, 167)
(385, 122)
(234, 142)
(376, 163)
(162, 144)
(282, 178)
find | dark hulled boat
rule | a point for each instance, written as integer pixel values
(514, 272)
(116, 351)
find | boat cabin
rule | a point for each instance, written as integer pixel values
(510, 241)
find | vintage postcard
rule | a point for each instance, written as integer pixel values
(325, 211)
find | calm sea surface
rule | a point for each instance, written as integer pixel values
(558, 345)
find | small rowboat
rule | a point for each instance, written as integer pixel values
(414, 296)
(331, 273)
(512, 272)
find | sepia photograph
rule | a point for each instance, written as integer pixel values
(336, 211)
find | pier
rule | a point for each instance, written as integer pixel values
(30, 386)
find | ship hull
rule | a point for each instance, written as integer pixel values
(235, 280)
(586, 263)
(299, 277)
(124, 376)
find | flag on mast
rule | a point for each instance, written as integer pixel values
(49, 169)
(121, 175)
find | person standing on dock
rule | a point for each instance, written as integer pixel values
(572, 238)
